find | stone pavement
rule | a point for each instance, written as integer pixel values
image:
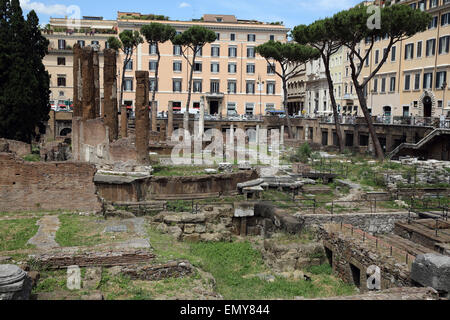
(45, 237)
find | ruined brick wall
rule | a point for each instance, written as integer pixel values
(170, 187)
(46, 186)
(351, 260)
(20, 148)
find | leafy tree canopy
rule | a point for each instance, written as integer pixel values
(195, 36)
(287, 52)
(130, 39)
(158, 32)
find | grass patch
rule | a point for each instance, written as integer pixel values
(14, 234)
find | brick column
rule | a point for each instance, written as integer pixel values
(77, 81)
(88, 87)
(110, 93)
(155, 117)
(170, 120)
(123, 122)
(96, 63)
(142, 116)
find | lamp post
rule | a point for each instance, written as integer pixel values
(444, 87)
(260, 89)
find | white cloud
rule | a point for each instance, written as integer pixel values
(184, 5)
(41, 8)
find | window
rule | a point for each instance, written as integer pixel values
(272, 37)
(199, 51)
(231, 108)
(232, 67)
(419, 49)
(61, 81)
(421, 5)
(250, 52)
(393, 53)
(232, 52)
(392, 84)
(270, 87)
(433, 4)
(251, 37)
(431, 47)
(152, 65)
(445, 19)
(107, 45)
(377, 56)
(249, 108)
(215, 51)
(409, 51)
(61, 44)
(232, 36)
(153, 85)
(61, 61)
(407, 82)
(375, 85)
(177, 66)
(217, 36)
(231, 86)
(82, 43)
(197, 85)
(129, 65)
(427, 80)
(250, 87)
(250, 68)
(215, 86)
(215, 68)
(177, 50)
(417, 81)
(196, 105)
(176, 85)
(271, 68)
(128, 84)
(383, 85)
(152, 49)
(198, 67)
(441, 78)
(444, 44)
(433, 23)
(95, 43)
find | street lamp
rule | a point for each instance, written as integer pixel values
(260, 89)
(444, 87)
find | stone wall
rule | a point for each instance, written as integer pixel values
(369, 222)
(173, 187)
(351, 259)
(46, 186)
(20, 148)
(212, 224)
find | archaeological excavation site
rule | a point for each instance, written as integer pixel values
(137, 172)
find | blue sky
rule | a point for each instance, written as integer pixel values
(292, 12)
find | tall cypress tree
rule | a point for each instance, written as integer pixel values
(24, 85)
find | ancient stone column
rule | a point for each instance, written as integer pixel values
(123, 122)
(154, 117)
(96, 63)
(282, 135)
(110, 93)
(88, 87)
(142, 116)
(170, 120)
(77, 81)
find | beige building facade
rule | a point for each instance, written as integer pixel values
(228, 73)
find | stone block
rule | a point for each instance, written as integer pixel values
(200, 228)
(189, 228)
(244, 209)
(195, 237)
(432, 270)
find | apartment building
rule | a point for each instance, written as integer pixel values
(228, 73)
(63, 33)
(413, 81)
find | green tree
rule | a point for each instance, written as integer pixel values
(155, 34)
(287, 54)
(318, 35)
(128, 43)
(350, 28)
(192, 41)
(24, 82)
